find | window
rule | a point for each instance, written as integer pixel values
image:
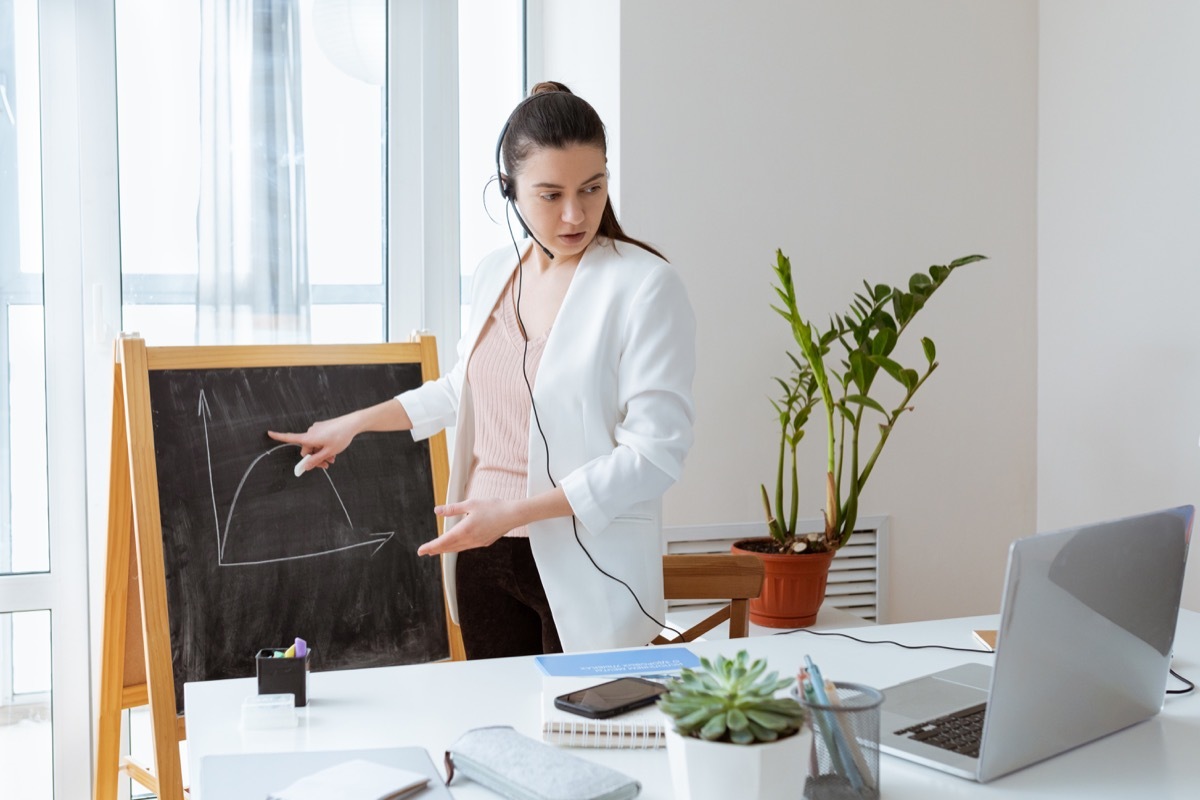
(43, 702)
(293, 187)
(252, 170)
(361, 244)
(26, 744)
(491, 46)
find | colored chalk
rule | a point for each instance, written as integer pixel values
(291, 652)
(301, 648)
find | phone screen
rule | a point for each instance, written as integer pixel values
(612, 698)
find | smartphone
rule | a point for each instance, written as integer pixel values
(610, 699)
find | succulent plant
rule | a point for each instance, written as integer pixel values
(732, 701)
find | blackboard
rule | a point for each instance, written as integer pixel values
(255, 556)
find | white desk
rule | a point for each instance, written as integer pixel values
(431, 704)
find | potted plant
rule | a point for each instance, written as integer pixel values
(863, 340)
(731, 735)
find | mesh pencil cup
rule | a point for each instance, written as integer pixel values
(844, 763)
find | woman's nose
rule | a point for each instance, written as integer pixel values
(572, 212)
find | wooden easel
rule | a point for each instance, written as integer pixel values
(135, 667)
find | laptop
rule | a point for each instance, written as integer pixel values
(1087, 623)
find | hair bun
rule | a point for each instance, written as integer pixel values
(549, 86)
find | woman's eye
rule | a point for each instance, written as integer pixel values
(592, 189)
(550, 197)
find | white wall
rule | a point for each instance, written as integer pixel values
(1119, 192)
(868, 140)
(579, 44)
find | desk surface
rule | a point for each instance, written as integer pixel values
(431, 704)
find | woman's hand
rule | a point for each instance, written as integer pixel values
(323, 440)
(482, 523)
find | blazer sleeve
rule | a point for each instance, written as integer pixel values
(433, 406)
(654, 388)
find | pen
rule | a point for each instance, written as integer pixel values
(841, 750)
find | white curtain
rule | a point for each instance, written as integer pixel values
(252, 284)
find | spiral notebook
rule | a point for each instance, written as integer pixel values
(643, 728)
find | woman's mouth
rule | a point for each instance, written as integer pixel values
(572, 238)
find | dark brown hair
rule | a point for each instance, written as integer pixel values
(559, 119)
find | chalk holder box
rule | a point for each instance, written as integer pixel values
(282, 675)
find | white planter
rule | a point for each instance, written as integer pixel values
(703, 770)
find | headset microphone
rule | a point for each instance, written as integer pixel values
(512, 201)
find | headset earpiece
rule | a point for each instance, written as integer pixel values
(508, 190)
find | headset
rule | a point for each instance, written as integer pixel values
(509, 192)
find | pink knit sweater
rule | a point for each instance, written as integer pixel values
(500, 459)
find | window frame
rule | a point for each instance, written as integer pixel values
(62, 590)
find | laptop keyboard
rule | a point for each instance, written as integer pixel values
(959, 732)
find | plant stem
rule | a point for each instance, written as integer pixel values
(779, 519)
(887, 429)
(791, 528)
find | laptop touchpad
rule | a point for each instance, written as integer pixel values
(929, 698)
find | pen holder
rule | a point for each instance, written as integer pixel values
(282, 675)
(845, 744)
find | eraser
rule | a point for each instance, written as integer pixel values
(299, 469)
(264, 711)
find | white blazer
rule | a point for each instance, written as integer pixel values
(614, 396)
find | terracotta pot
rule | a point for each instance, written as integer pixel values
(793, 588)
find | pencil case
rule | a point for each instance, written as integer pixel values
(520, 768)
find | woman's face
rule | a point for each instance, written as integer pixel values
(561, 194)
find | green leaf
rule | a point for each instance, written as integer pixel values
(919, 283)
(858, 370)
(962, 262)
(767, 719)
(714, 728)
(903, 304)
(930, 349)
(898, 372)
(881, 292)
(742, 737)
(735, 720)
(884, 342)
(698, 716)
(866, 401)
(939, 274)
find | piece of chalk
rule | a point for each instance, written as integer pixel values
(278, 654)
(299, 470)
(301, 648)
(290, 652)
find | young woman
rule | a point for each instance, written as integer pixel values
(572, 398)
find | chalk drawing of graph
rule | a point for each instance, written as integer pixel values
(333, 515)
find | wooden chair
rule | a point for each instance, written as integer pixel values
(725, 577)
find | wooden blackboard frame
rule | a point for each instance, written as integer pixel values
(135, 667)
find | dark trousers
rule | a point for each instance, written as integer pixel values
(502, 607)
